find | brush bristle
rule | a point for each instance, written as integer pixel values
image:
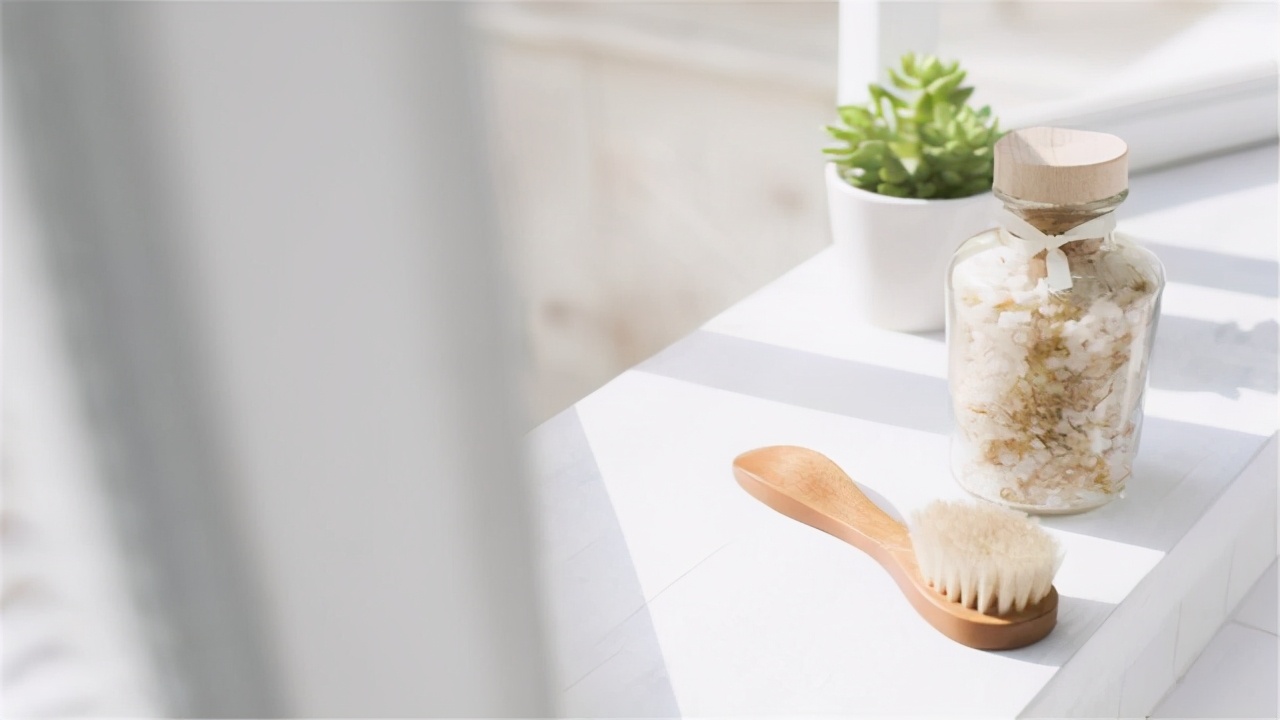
(985, 557)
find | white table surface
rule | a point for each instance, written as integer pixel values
(672, 592)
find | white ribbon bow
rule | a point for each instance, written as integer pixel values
(1032, 241)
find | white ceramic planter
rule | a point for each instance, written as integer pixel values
(896, 250)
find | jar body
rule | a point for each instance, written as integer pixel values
(1047, 384)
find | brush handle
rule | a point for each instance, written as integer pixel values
(807, 486)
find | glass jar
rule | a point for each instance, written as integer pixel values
(1049, 331)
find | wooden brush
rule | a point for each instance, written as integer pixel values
(957, 561)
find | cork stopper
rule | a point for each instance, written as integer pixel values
(1061, 166)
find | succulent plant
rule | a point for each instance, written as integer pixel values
(927, 142)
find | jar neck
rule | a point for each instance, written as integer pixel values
(1055, 219)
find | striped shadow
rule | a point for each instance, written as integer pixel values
(819, 382)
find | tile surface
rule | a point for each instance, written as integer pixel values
(1234, 677)
(1201, 614)
(1151, 675)
(1255, 551)
(1258, 609)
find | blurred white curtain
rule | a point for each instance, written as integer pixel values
(272, 243)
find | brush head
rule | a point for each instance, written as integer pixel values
(983, 556)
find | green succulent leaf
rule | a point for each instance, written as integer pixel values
(943, 114)
(877, 94)
(855, 116)
(894, 171)
(892, 190)
(903, 83)
(931, 135)
(959, 96)
(929, 69)
(852, 137)
(905, 152)
(869, 150)
(945, 84)
(909, 64)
